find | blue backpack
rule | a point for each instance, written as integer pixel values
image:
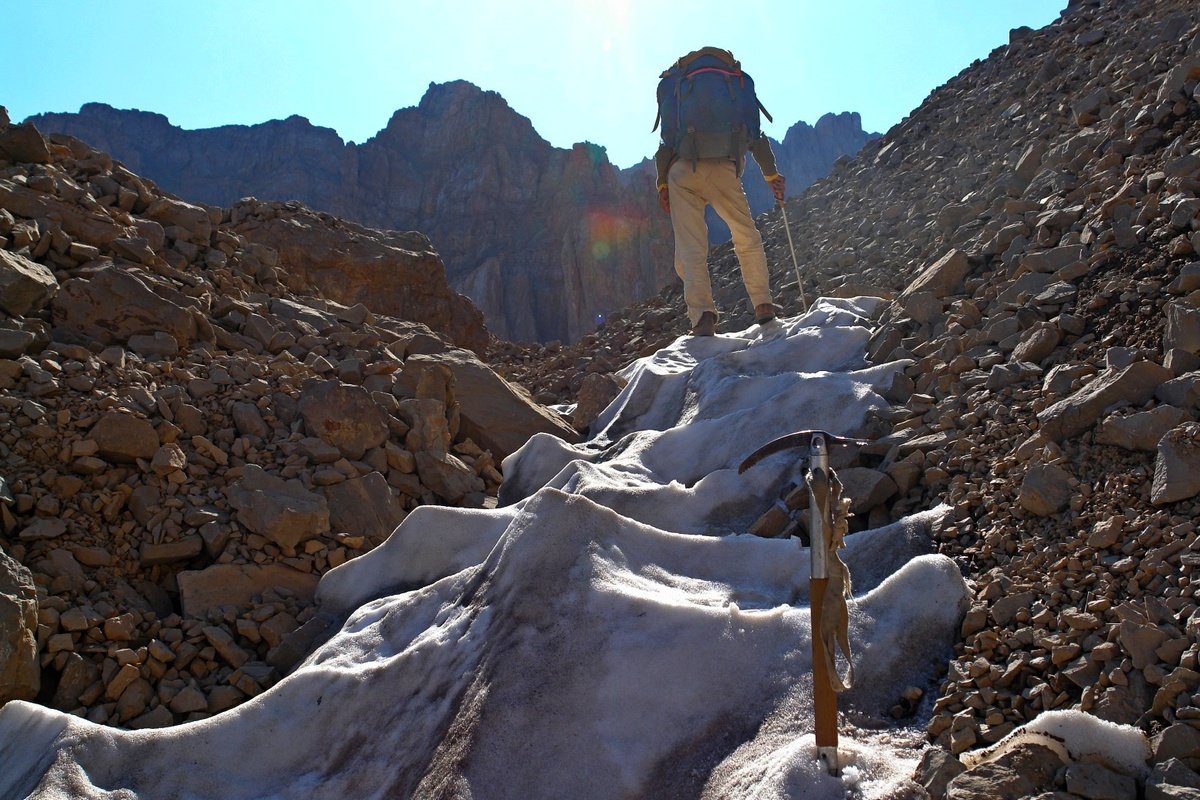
(708, 107)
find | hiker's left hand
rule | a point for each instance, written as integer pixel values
(664, 199)
(777, 187)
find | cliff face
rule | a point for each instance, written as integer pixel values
(546, 241)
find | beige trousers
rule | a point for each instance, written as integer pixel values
(713, 182)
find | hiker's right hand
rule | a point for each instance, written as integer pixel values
(664, 199)
(777, 187)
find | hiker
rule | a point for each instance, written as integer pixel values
(709, 116)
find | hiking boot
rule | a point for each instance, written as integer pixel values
(706, 326)
(765, 312)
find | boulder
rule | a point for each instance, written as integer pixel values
(497, 415)
(866, 488)
(1183, 328)
(1026, 771)
(114, 304)
(1076, 413)
(344, 416)
(24, 144)
(1173, 780)
(1037, 342)
(237, 584)
(942, 277)
(447, 476)
(595, 393)
(25, 286)
(1046, 490)
(20, 672)
(283, 511)
(1177, 465)
(124, 438)
(92, 227)
(364, 506)
(1140, 431)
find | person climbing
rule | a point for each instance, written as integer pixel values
(709, 114)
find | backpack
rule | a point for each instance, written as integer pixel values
(708, 107)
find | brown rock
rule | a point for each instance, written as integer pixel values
(1177, 465)
(124, 438)
(1045, 491)
(343, 415)
(236, 584)
(114, 304)
(364, 506)
(1141, 431)
(25, 286)
(1078, 412)
(496, 414)
(20, 673)
(24, 144)
(283, 511)
(942, 277)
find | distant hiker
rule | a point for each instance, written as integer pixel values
(709, 116)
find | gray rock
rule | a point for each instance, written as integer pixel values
(1177, 465)
(447, 476)
(935, 770)
(125, 438)
(1173, 780)
(1074, 414)
(1176, 741)
(1098, 782)
(364, 506)
(237, 584)
(283, 511)
(20, 672)
(1183, 328)
(942, 277)
(1046, 490)
(343, 415)
(25, 286)
(1141, 431)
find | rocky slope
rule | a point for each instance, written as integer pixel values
(192, 430)
(544, 240)
(1036, 223)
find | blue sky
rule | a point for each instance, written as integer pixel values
(579, 69)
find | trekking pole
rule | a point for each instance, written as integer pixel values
(821, 523)
(799, 284)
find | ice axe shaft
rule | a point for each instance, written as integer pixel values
(821, 521)
(795, 263)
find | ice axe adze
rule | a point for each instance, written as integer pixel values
(822, 494)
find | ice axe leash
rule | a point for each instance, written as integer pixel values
(829, 580)
(795, 263)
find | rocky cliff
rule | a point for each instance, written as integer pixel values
(545, 241)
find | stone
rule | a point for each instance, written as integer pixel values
(1037, 343)
(1026, 771)
(77, 676)
(23, 144)
(124, 438)
(364, 506)
(866, 488)
(188, 700)
(344, 416)
(1177, 465)
(428, 427)
(1076, 413)
(156, 344)
(1098, 782)
(134, 701)
(167, 459)
(1053, 259)
(113, 304)
(1172, 780)
(20, 673)
(935, 770)
(1005, 609)
(236, 584)
(225, 646)
(1175, 741)
(283, 511)
(497, 415)
(1106, 533)
(1140, 642)
(1045, 490)
(595, 393)
(185, 549)
(1183, 328)
(248, 420)
(1140, 431)
(25, 286)
(942, 277)
(447, 476)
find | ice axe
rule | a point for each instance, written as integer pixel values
(822, 498)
